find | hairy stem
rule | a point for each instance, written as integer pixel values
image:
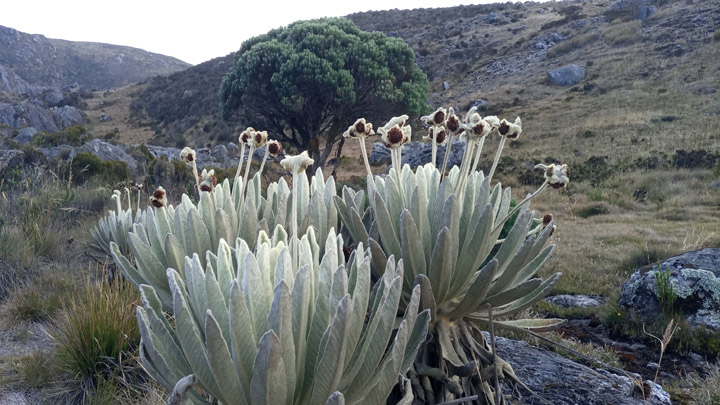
(497, 157)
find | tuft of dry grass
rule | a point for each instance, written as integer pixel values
(622, 34)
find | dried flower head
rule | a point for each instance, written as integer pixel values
(207, 180)
(360, 128)
(274, 147)
(187, 155)
(453, 122)
(158, 198)
(493, 120)
(260, 138)
(436, 118)
(395, 133)
(298, 163)
(556, 176)
(440, 136)
(510, 130)
(475, 126)
(547, 218)
(247, 136)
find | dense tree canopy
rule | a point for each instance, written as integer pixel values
(308, 82)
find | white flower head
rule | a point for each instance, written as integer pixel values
(274, 147)
(360, 128)
(207, 180)
(187, 155)
(556, 176)
(260, 138)
(298, 163)
(510, 130)
(475, 126)
(436, 118)
(247, 136)
(493, 120)
(158, 198)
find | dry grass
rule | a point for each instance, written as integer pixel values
(116, 105)
(622, 34)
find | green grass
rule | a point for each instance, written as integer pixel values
(40, 297)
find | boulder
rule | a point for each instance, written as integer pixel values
(68, 115)
(380, 155)
(25, 135)
(480, 103)
(567, 75)
(695, 277)
(644, 12)
(445, 86)
(108, 151)
(561, 381)
(493, 17)
(418, 153)
(577, 301)
(54, 97)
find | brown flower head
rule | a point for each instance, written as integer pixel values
(453, 123)
(260, 138)
(207, 180)
(556, 176)
(360, 128)
(247, 136)
(274, 148)
(436, 118)
(547, 218)
(187, 155)
(440, 135)
(511, 130)
(158, 198)
(395, 133)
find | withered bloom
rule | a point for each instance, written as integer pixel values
(274, 148)
(510, 130)
(436, 118)
(361, 128)
(395, 133)
(207, 180)
(547, 218)
(260, 138)
(187, 155)
(556, 176)
(158, 198)
(453, 123)
(247, 136)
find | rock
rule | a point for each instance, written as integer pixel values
(108, 151)
(233, 150)
(695, 278)
(567, 75)
(561, 381)
(393, 34)
(480, 103)
(644, 12)
(27, 114)
(25, 135)
(54, 97)
(545, 42)
(9, 157)
(445, 86)
(220, 153)
(380, 155)
(577, 301)
(493, 17)
(105, 118)
(69, 115)
(12, 83)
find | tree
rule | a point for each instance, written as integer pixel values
(307, 82)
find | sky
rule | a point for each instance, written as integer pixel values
(192, 31)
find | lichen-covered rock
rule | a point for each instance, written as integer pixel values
(577, 301)
(695, 277)
(567, 75)
(561, 381)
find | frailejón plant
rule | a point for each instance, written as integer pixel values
(444, 226)
(250, 328)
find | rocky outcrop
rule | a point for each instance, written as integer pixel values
(418, 153)
(34, 114)
(25, 135)
(695, 277)
(9, 158)
(561, 381)
(567, 75)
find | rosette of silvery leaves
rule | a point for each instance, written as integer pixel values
(252, 328)
(162, 235)
(446, 227)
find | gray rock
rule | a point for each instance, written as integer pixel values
(12, 83)
(545, 42)
(9, 157)
(644, 12)
(393, 34)
(105, 118)
(561, 381)
(25, 135)
(63, 152)
(577, 301)
(233, 150)
(480, 103)
(54, 97)
(380, 155)
(28, 114)
(695, 276)
(108, 151)
(69, 115)
(445, 86)
(567, 75)
(493, 17)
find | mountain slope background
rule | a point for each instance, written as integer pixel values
(650, 85)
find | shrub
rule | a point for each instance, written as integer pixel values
(74, 135)
(86, 166)
(592, 210)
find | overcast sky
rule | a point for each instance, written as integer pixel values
(192, 31)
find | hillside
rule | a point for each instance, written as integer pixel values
(46, 62)
(650, 74)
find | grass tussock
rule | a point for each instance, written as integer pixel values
(572, 44)
(39, 298)
(626, 33)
